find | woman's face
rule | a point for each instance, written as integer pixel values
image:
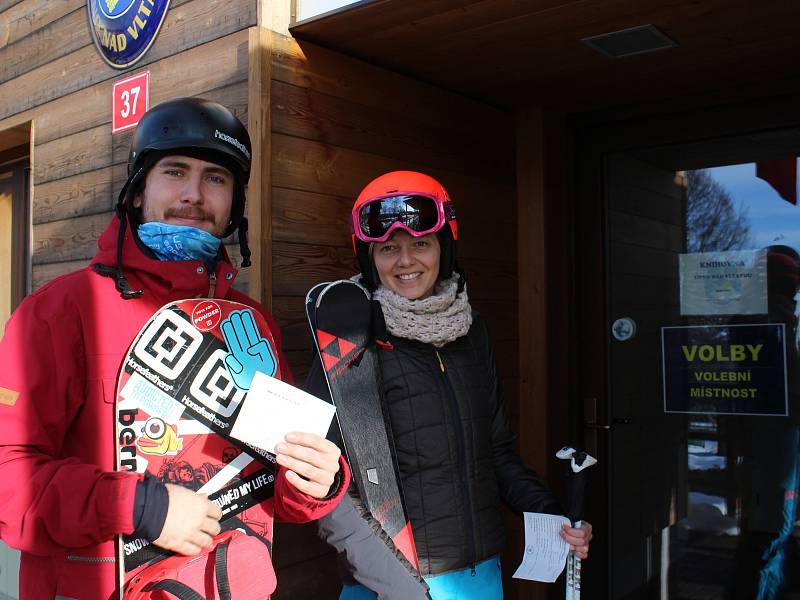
(408, 265)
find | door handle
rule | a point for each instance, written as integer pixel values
(604, 427)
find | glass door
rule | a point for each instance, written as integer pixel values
(703, 270)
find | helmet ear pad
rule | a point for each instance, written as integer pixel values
(447, 253)
(366, 265)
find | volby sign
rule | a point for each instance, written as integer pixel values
(131, 99)
(726, 369)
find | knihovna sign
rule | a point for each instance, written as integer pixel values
(124, 30)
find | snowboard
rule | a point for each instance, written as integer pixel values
(340, 317)
(181, 386)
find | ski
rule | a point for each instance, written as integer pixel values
(340, 317)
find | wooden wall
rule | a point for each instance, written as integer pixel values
(337, 123)
(51, 74)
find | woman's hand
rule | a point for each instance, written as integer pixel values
(578, 538)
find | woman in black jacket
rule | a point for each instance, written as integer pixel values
(455, 452)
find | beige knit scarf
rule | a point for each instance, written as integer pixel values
(438, 319)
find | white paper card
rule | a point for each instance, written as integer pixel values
(273, 408)
(545, 551)
(724, 283)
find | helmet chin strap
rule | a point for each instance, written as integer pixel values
(243, 247)
(122, 285)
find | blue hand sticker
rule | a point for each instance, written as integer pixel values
(248, 352)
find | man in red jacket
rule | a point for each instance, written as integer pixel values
(61, 501)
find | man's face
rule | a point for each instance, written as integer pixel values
(180, 190)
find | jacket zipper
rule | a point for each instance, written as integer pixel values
(212, 284)
(461, 452)
(91, 559)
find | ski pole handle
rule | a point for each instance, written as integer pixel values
(576, 496)
(579, 462)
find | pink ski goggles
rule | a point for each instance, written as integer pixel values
(417, 214)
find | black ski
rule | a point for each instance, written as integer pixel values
(340, 317)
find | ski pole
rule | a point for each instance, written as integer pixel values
(579, 462)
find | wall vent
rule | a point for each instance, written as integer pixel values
(627, 42)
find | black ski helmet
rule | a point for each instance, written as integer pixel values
(192, 127)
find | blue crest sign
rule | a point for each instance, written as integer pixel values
(124, 30)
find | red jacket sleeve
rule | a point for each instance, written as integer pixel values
(293, 506)
(49, 499)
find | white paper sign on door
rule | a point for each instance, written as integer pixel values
(724, 283)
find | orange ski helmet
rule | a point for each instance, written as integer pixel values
(413, 202)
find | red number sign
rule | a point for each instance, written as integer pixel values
(131, 99)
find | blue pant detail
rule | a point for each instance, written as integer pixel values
(485, 584)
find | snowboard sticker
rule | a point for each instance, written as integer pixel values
(180, 389)
(340, 317)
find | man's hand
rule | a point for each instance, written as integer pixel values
(311, 462)
(192, 521)
(578, 538)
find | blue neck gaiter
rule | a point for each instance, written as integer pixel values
(179, 242)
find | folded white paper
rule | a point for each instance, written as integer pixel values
(273, 408)
(545, 551)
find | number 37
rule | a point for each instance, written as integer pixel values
(127, 108)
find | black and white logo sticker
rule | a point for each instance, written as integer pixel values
(214, 387)
(168, 345)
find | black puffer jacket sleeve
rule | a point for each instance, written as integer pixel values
(519, 486)
(366, 554)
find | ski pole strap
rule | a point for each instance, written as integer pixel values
(221, 570)
(174, 587)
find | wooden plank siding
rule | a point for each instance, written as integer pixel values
(338, 123)
(25, 18)
(190, 24)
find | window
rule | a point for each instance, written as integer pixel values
(14, 229)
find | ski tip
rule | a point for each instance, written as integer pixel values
(312, 293)
(340, 284)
